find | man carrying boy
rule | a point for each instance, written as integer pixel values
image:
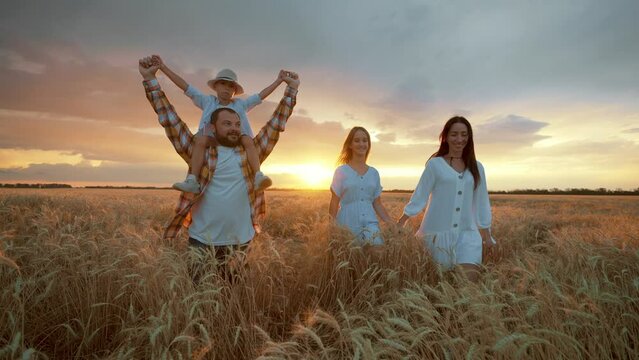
(226, 212)
(226, 87)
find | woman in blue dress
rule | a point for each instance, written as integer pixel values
(356, 189)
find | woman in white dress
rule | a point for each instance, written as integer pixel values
(356, 189)
(453, 184)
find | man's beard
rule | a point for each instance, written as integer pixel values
(225, 141)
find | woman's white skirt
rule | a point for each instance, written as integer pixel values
(449, 248)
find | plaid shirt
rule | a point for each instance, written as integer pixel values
(182, 140)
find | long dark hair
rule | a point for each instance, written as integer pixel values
(347, 153)
(468, 154)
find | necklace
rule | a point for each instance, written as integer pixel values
(451, 158)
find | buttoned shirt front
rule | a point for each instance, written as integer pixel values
(453, 201)
(356, 193)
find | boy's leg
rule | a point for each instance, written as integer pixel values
(261, 181)
(197, 160)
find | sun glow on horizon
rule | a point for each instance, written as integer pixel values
(20, 158)
(306, 176)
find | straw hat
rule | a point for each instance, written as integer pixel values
(228, 75)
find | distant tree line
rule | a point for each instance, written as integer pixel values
(126, 187)
(37, 186)
(569, 191)
(553, 191)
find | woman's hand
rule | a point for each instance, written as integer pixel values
(402, 220)
(489, 245)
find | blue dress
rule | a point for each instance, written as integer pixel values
(357, 193)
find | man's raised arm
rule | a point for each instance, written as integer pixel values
(268, 136)
(176, 130)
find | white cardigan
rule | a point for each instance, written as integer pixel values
(455, 205)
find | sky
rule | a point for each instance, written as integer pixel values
(550, 87)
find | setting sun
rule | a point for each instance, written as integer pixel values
(315, 175)
(305, 176)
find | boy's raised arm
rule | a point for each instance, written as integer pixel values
(176, 130)
(148, 68)
(177, 79)
(199, 99)
(269, 89)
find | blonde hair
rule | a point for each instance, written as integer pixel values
(347, 153)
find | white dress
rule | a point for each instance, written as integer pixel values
(356, 195)
(455, 211)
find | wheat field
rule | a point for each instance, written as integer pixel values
(85, 274)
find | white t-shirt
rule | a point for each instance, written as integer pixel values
(210, 103)
(223, 214)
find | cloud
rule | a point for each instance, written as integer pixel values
(80, 86)
(69, 81)
(14, 61)
(350, 116)
(151, 174)
(587, 157)
(306, 141)
(106, 173)
(224, 33)
(412, 94)
(385, 154)
(303, 140)
(94, 139)
(428, 133)
(510, 129)
(453, 49)
(597, 151)
(386, 137)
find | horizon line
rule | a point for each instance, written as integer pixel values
(67, 186)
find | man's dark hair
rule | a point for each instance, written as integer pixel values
(217, 112)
